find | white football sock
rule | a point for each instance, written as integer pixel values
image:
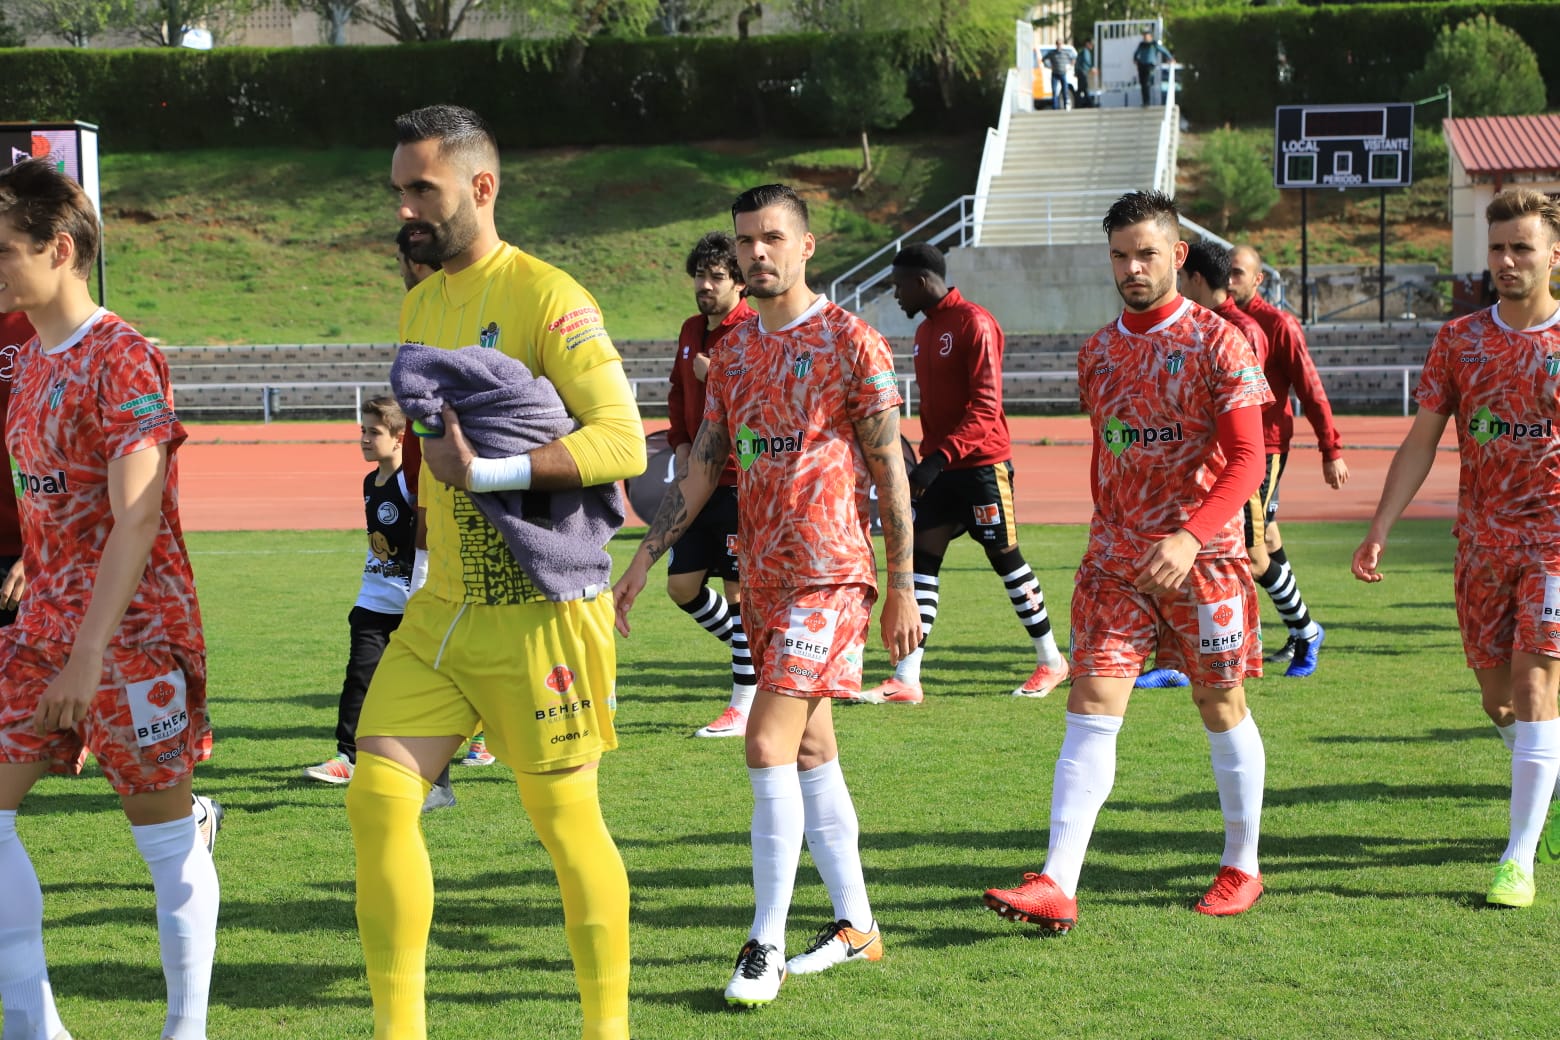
(778, 820)
(832, 837)
(1535, 762)
(24, 979)
(1085, 773)
(185, 881)
(908, 670)
(1239, 768)
(1508, 735)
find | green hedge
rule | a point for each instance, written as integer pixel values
(628, 91)
(1338, 54)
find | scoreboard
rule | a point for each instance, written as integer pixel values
(1343, 146)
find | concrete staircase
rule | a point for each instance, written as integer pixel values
(1106, 151)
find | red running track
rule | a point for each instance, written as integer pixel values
(303, 476)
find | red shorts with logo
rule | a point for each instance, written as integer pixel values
(1209, 628)
(1508, 599)
(147, 722)
(808, 642)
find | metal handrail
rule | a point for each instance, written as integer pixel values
(1164, 173)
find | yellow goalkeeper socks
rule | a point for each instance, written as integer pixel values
(394, 891)
(566, 812)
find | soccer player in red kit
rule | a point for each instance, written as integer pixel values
(1174, 398)
(806, 393)
(109, 654)
(1499, 371)
(1287, 366)
(710, 546)
(964, 481)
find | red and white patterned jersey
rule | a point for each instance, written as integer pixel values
(1153, 402)
(100, 396)
(1503, 386)
(789, 399)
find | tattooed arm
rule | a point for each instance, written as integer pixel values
(878, 435)
(684, 499)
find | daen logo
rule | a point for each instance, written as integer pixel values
(1485, 426)
(161, 693)
(560, 679)
(1118, 436)
(751, 445)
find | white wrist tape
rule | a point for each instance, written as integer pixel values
(509, 474)
(419, 570)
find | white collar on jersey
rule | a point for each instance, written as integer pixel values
(817, 305)
(1543, 326)
(80, 333)
(1185, 306)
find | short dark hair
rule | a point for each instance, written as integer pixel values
(464, 137)
(388, 411)
(43, 202)
(403, 245)
(766, 195)
(922, 256)
(714, 251)
(1210, 261)
(1137, 206)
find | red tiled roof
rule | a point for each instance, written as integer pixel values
(1506, 144)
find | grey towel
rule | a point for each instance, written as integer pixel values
(557, 536)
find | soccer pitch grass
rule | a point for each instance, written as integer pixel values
(1386, 811)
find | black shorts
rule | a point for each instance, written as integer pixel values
(978, 501)
(710, 543)
(1262, 507)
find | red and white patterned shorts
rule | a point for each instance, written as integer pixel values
(808, 642)
(1209, 628)
(147, 722)
(1508, 598)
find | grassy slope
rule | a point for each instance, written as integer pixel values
(1386, 810)
(291, 246)
(272, 246)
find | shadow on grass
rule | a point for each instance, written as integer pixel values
(1435, 736)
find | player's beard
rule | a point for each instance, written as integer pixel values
(707, 304)
(1150, 293)
(446, 241)
(777, 288)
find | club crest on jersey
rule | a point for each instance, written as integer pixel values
(1118, 436)
(750, 446)
(946, 339)
(1175, 362)
(487, 336)
(803, 365)
(1552, 365)
(56, 393)
(1486, 426)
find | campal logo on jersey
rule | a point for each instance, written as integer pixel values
(487, 336)
(751, 446)
(33, 484)
(1175, 362)
(1486, 426)
(1118, 436)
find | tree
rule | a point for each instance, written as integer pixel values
(74, 21)
(417, 21)
(859, 88)
(958, 38)
(10, 35)
(163, 23)
(691, 17)
(1491, 71)
(1237, 184)
(335, 14)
